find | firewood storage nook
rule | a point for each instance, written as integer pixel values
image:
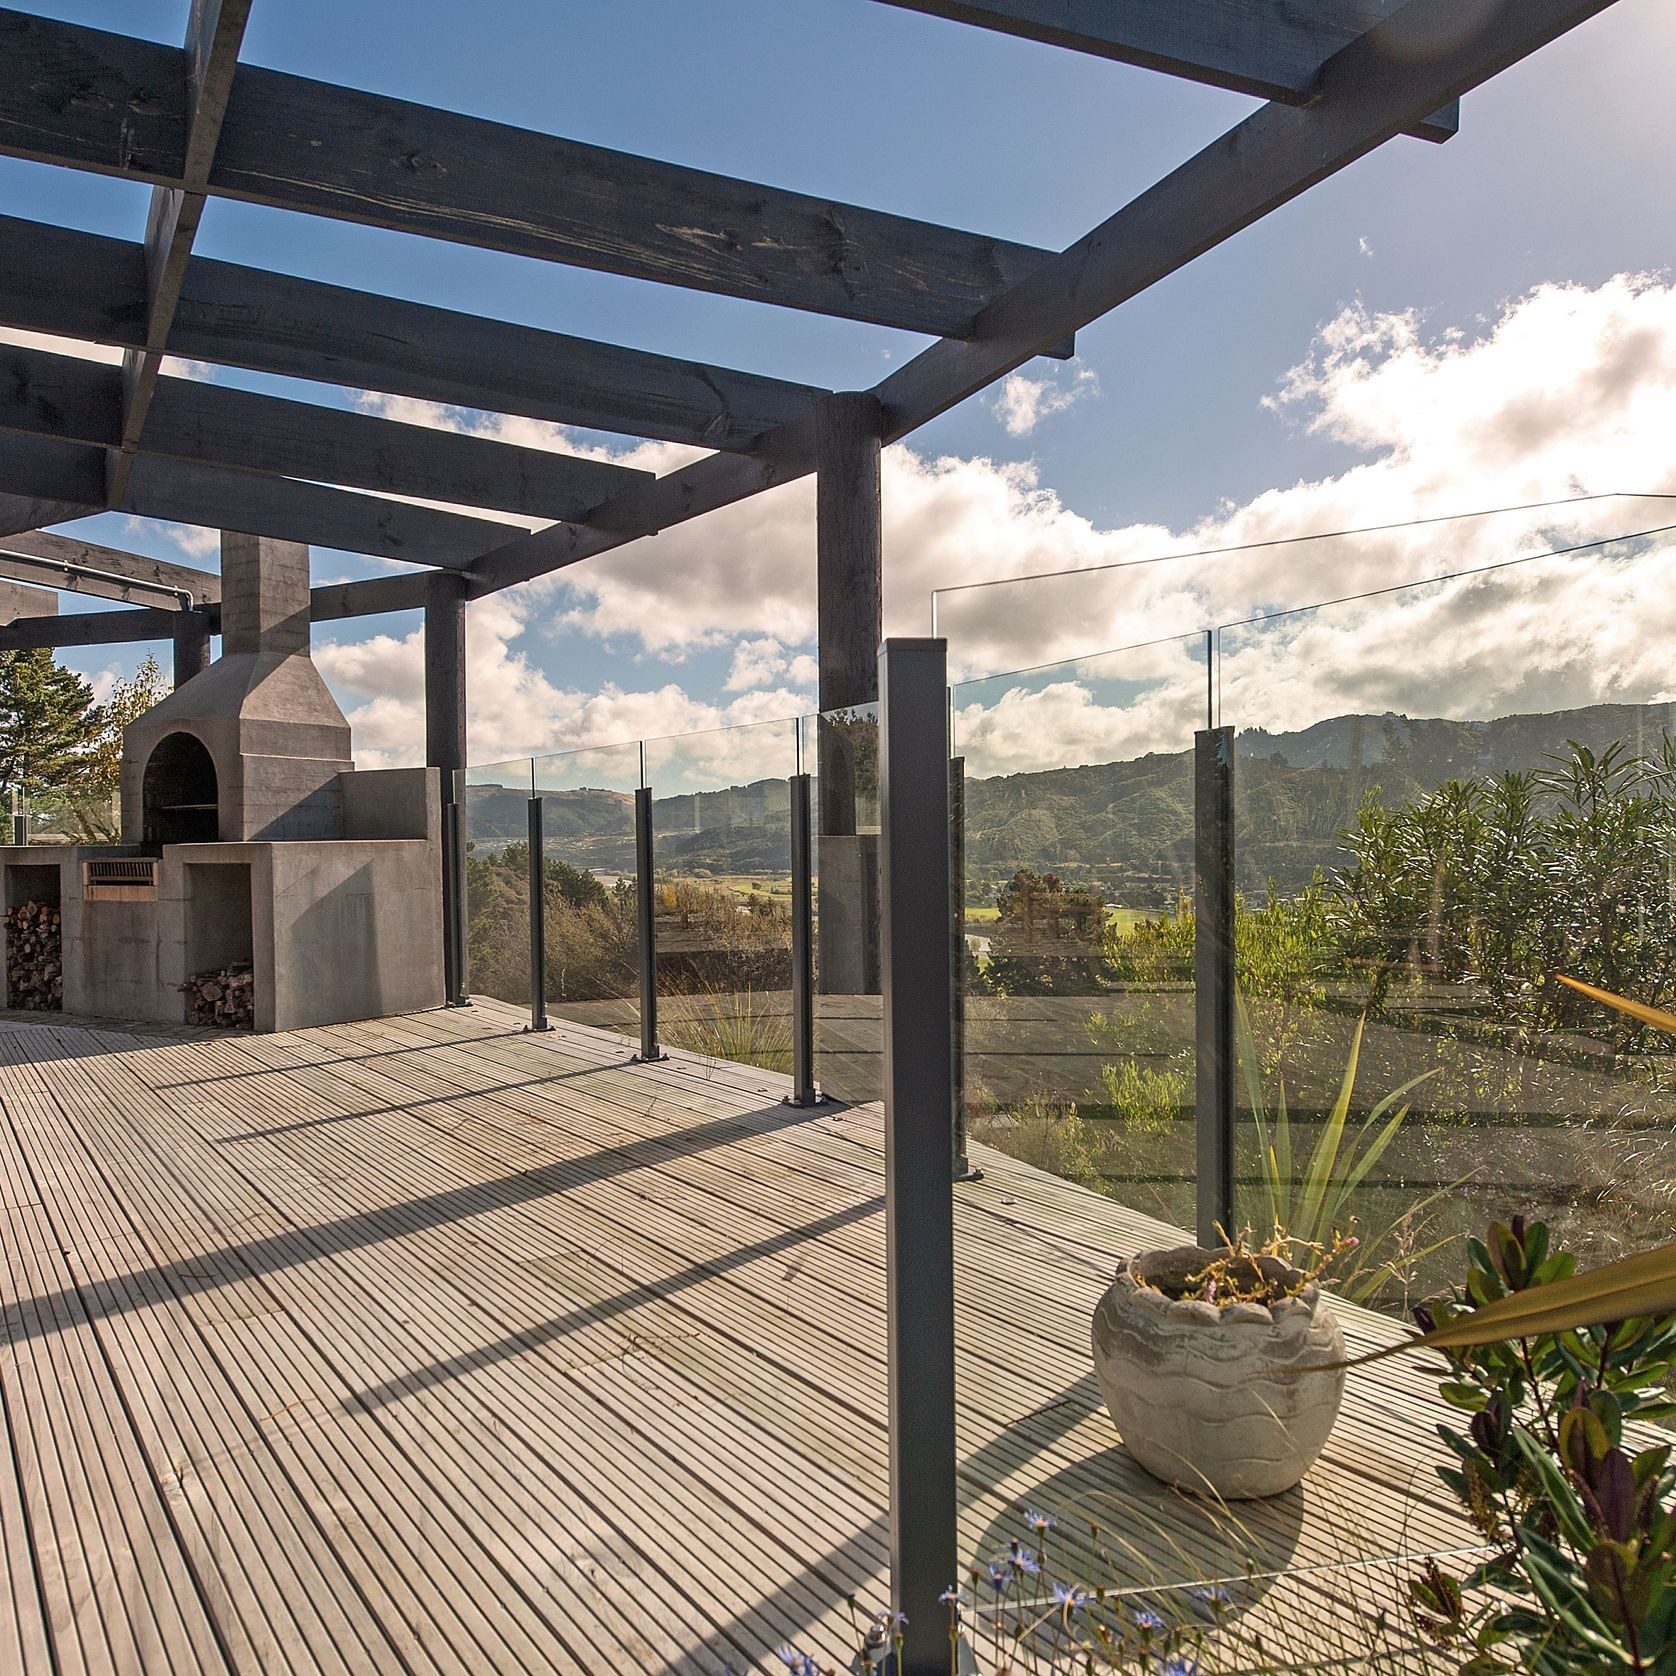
(262, 882)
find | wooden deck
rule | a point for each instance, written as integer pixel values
(430, 1346)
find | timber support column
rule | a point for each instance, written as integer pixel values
(445, 750)
(850, 604)
(192, 644)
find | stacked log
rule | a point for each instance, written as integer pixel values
(224, 998)
(34, 958)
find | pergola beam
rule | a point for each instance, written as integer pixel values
(336, 602)
(214, 33)
(78, 400)
(1270, 48)
(87, 99)
(72, 475)
(64, 553)
(1373, 90)
(83, 285)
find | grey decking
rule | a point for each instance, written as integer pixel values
(426, 1345)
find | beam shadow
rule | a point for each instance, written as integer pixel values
(416, 1104)
(337, 1059)
(643, 1292)
(29, 1318)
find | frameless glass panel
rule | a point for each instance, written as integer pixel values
(66, 817)
(591, 950)
(495, 824)
(1074, 831)
(840, 750)
(1447, 794)
(721, 826)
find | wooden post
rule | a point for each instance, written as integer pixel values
(849, 597)
(445, 676)
(192, 645)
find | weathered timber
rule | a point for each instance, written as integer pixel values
(374, 596)
(46, 581)
(28, 512)
(89, 628)
(218, 497)
(445, 678)
(1274, 51)
(359, 156)
(23, 599)
(67, 396)
(215, 31)
(191, 645)
(70, 553)
(1371, 91)
(849, 578)
(84, 285)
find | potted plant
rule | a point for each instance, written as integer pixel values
(1221, 1368)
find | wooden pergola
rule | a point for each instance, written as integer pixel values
(78, 437)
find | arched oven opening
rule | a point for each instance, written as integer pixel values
(179, 796)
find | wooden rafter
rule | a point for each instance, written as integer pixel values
(219, 497)
(213, 36)
(87, 99)
(78, 400)
(108, 103)
(1271, 48)
(83, 285)
(1370, 92)
(105, 572)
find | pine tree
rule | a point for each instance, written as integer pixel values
(48, 724)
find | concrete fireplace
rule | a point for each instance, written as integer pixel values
(251, 845)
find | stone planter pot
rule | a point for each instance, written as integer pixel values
(1195, 1389)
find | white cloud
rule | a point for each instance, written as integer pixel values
(1022, 403)
(194, 540)
(514, 708)
(1567, 389)
(758, 662)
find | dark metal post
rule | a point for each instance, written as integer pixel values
(538, 918)
(963, 1170)
(646, 907)
(456, 966)
(919, 1142)
(445, 750)
(1213, 977)
(804, 1090)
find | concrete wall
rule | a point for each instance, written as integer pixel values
(356, 932)
(334, 931)
(392, 803)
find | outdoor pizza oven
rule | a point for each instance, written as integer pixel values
(254, 746)
(262, 882)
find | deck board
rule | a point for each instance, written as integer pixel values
(429, 1345)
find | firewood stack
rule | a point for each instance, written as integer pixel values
(225, 998)
(34, 958)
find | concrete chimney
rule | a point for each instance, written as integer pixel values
(253, 746)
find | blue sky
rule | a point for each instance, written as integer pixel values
(1557, 175)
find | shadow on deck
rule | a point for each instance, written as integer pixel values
(425, 1345)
